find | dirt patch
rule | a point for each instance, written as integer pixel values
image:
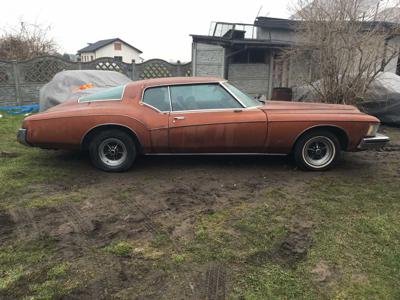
(321, 272)
(4, 154)
(295, 246)
(6, 226)
(178, 198)
(290, 250)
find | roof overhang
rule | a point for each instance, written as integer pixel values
(256, 43)
(292, 25)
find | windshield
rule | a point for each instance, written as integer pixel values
(247, 100)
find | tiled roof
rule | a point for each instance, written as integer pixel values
(99, 44)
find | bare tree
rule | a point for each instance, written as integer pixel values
(346, 46)
(26, 41)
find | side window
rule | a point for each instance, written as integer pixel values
(201, 96)
(115, 93)
(158, 98)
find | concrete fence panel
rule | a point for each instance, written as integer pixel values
(21, 81)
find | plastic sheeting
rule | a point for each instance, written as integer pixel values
(382, 100)
(68, 85)
(20, 110)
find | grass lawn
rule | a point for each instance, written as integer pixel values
(197, 228)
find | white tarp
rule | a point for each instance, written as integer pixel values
(67, 85)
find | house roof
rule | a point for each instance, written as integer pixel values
(99, 44)
(275, 23)
(226, 42)
(286, 24)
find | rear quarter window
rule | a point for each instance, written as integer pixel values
(158, 98)
(115, 93)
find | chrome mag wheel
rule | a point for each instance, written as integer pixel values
(319, 152)
(112, 152)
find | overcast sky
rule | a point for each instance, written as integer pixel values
(159, 28)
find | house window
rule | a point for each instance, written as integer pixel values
(91, 57)
(117, 46)
(250, 56)
(118, 58)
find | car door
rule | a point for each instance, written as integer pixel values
(156, 110)
(206, 118)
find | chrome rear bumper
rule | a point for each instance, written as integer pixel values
(21, 137)
(374, 143)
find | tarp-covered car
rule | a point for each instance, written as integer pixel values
(68, 85)
(382, 99)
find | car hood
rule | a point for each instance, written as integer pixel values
(307, 106)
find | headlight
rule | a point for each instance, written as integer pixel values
(372, 130)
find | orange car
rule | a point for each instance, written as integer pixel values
(198, 116)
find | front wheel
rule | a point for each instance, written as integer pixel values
(112, 151)
(317, 151)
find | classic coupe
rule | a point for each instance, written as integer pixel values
(199, 116)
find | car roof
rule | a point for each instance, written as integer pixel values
(176, 81)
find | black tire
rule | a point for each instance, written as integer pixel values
(123, 155)
(327, 146)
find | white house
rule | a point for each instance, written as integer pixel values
(115, 48)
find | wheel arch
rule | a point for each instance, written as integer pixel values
(88, 136)
(339, 132)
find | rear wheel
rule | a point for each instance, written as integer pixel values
(318, 150)
(112, 151)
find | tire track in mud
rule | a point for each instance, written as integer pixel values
(78, 233)
(215, 285)
(154, 229)
(212, 286)
(81, 225)
(77, 228)
(391, 148)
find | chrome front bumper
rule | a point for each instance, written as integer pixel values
(21, 137)
(374, 143)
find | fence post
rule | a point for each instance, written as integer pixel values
(16, 82)
(132, 75)
(179, 72)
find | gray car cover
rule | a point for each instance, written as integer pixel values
(382, 99)
(68, 85)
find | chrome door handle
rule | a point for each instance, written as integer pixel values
(179, 118)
